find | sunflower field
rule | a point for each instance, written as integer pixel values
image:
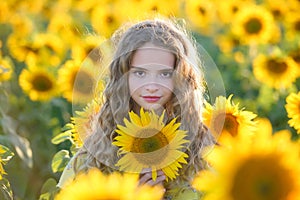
(50, 54)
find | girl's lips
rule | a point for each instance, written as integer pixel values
(151, 99)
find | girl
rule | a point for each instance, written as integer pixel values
(155, 66)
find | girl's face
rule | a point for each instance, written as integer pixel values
(150, 77)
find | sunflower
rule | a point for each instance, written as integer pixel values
(278, 8)
(78, 81)
(5, 69)
(265, 129)
(33, 7)
(292, 25)
(201, 14)
(224, 119)
(295, 55)
(96, 186)
(131, 9)
(266, 168)
(293, 109)
(275, 71)
(68, 28)
(71, 28)
(5, 156)
(105, 19)
(2, 171)
(80, 125)
(146, 142)
(38, 83)
(20, 47)
(87, 46)
(22, 24)
(5, 12)
(227, 42)
(226, 10)
(85, 5)
(254, 24)
(294, 5)
(167, 8)
(48, 48)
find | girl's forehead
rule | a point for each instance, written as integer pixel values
(151, 54)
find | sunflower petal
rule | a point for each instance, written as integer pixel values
(154, 175)
(135, 119)
(145, 118)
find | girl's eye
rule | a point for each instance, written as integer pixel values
(166, 74)
(139, 73)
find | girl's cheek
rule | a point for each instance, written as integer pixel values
(134, 85)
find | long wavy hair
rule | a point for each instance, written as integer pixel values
(185, 104)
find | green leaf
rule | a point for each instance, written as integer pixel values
(60, 160)
(49, 185)
(21, 144)
(22, 148)
(5, 190)
(62, 137)
(49, 189)
(46, 196)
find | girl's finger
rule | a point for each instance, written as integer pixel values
(159, 180)
(146, 178)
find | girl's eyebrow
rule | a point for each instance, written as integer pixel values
(136, 67)
(142, 68)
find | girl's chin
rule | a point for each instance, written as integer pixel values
(158, 108)
(155, 107)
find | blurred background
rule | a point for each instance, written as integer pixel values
(48, 47)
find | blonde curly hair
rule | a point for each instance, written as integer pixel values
(186, 103)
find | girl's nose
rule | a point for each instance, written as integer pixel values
(151, 87)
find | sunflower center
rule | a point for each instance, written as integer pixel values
(231, 124)
(154, 8)
(297, 26)
(149, 144)
(201, 10)
(253, 26)
(262, 178)
(83, 83)
(42, 83)
(49, 47)
(150, 150)
(235, 42)
(234, 9)
(276, 66)
(29, 48)
(277, 13)
(109, 19)
(296, 56)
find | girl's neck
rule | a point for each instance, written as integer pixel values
(136, 109)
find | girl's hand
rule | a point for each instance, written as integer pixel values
(146, 177)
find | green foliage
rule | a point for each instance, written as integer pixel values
(60, 160)
(27, 128)
(49, 190)
(62, 137)
(5, 190)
